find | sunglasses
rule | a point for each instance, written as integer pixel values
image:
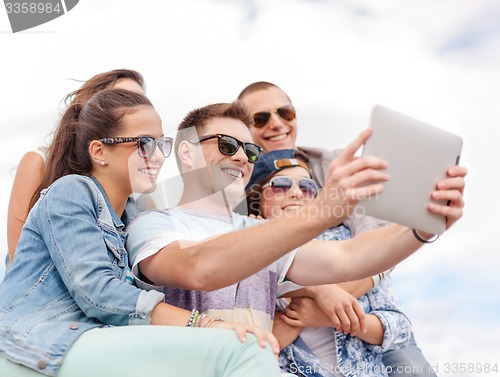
(282, 184)
(261, 118)
(229, 145)
(146, 145)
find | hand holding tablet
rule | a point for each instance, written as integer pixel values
(419, 156)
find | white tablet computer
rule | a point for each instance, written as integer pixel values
(419, 156)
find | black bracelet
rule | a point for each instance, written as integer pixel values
(421, 239)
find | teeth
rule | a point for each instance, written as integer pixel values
(233, 173)
(278, 137)
(149, 171)
(292, 207)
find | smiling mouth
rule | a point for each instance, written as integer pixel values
(292, 207)
(277, 137)
(233, 173)
(150, 171)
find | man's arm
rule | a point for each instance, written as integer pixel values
(230, 258)
(325, 262)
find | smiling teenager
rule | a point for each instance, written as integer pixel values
(68, 303)
(30, 171)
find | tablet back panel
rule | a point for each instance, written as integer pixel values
(419, 156)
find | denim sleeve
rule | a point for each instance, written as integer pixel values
(386, 306)
(68, 219)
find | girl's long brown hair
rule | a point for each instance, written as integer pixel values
(101, 117)
(66, 126)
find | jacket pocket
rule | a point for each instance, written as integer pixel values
(115, 247)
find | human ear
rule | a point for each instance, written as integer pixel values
(97, 152)
(186, 153)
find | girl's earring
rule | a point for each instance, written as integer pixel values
(102, 162)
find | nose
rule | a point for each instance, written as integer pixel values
(275, 121)
(295, 192)
(157, 155)
(240, 155)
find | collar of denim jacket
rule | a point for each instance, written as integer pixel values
(117, 222)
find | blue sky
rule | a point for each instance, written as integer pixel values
(435, 60)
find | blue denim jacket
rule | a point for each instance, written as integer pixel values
(355, 357)
(69, 275)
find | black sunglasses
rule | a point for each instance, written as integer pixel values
(261, 118)
(229, 145)
(281, 184)
(146, 145)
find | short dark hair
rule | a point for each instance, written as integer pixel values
(197, 119)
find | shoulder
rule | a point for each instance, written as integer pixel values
(72, 196)
(73, 187)
(74, 180)
(149, 218)
(320, 153)
(31, 162)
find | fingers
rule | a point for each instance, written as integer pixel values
(361, 316)
(360, 178)
(457, 171)
(456, 183)
(452, 210)
(341, 169)
(241, 330)
(350, 150)
(349, 318)
(264, 337)
(291, 322)
(450, 191)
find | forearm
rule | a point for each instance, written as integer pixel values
(284, 333)
(165, 314)
(228, 258)
(329, 262)
(378, 250)
(357, 288)
(374, 331)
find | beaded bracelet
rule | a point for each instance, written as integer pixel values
(194, 315)
(415, 234)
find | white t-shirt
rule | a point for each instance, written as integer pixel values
(252, 300)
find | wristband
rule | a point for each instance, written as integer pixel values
(377, 278)
(415, 234)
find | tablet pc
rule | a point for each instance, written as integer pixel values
(419, 156)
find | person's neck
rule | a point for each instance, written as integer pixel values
(116, 196)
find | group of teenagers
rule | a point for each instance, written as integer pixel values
(263, 242)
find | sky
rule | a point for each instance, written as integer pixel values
(435, 60)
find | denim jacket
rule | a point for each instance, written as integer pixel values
(69, 275)
(355, 358)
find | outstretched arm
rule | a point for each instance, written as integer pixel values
(202, 265)
(322, 262)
